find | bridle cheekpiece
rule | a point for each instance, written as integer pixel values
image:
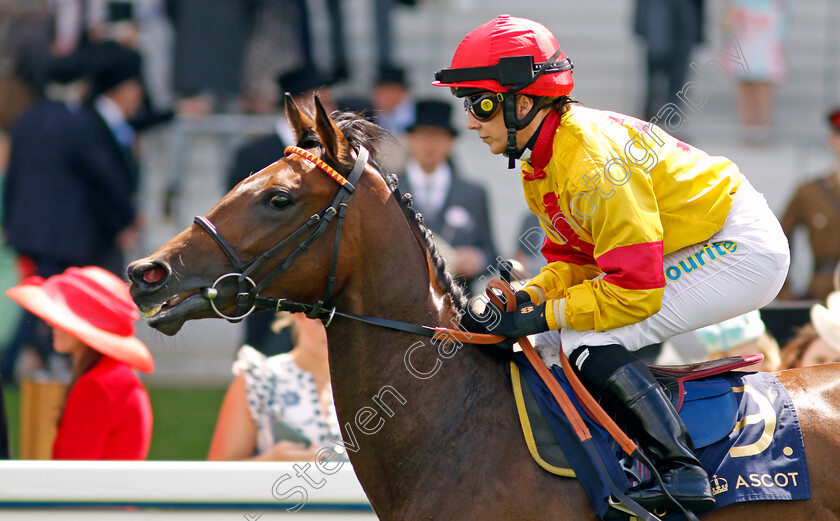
(248, 294)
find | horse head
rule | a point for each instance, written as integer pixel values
(276, 233)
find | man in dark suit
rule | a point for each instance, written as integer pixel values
(68, 192)
(454, 209)
(669, 29)
(117, 96)
(257, 154)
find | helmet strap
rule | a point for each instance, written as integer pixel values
(514, 124)
(511, 122)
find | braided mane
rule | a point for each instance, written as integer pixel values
(360, 131)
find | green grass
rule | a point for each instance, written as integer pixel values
(184, 420)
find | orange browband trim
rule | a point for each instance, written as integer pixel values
(330, 171)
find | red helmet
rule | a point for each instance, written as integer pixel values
(505, 53)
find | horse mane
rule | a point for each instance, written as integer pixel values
(360, 131)
(415, 218)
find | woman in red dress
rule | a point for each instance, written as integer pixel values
(107, 414)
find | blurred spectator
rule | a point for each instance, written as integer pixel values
(359, 104)
(314, 41)
(279, 408)
(68, 196)
(739, 336)
(117, 96)
(316, 31)
(122, 26)
(155, 43)
(669, 29)
(454, 209)
(277, 24)
(257, 154)
(755, 29)
(111, 20)
(382, 19)
(807, 348)
(39, 146)
(209, 47)
(104, 54)
(817, 342)
(392, 101)
(393, 109)
(107, 414)
(141, 25)
(26, 34)
(826, 321)
(816, 206)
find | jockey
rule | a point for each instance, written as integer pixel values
(647, 237)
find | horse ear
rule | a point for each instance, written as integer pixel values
(300, 122)
(336, 145)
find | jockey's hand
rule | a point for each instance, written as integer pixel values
(528, 319)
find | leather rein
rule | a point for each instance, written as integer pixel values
(248, 297)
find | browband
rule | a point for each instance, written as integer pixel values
(352, 177)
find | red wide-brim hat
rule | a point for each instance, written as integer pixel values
(91, 304)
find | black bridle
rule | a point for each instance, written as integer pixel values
(248, 295)
(248, 298)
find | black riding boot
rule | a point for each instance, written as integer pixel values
(653, 420)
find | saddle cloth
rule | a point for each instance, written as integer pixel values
(744, 427)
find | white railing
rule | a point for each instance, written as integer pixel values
(54, 488)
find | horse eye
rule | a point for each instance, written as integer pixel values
(280, 201)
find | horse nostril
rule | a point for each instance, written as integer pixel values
(154, 275)
(148, 274)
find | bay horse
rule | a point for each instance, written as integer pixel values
(431, 429)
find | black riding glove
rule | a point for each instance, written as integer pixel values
(528, 319)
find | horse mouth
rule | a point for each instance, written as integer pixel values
(169, 316)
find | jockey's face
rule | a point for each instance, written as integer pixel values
(493, 131)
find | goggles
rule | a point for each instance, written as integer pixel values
(483, 106)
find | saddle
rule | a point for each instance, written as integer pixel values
(706, 404)
(743, 425)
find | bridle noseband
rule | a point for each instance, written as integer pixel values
(248, 294)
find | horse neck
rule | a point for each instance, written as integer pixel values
(392, 274)
(421, 390)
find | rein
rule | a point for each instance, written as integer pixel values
(249, 291)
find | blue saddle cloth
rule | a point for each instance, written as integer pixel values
(755, 454)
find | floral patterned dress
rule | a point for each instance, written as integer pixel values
(281, 394)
